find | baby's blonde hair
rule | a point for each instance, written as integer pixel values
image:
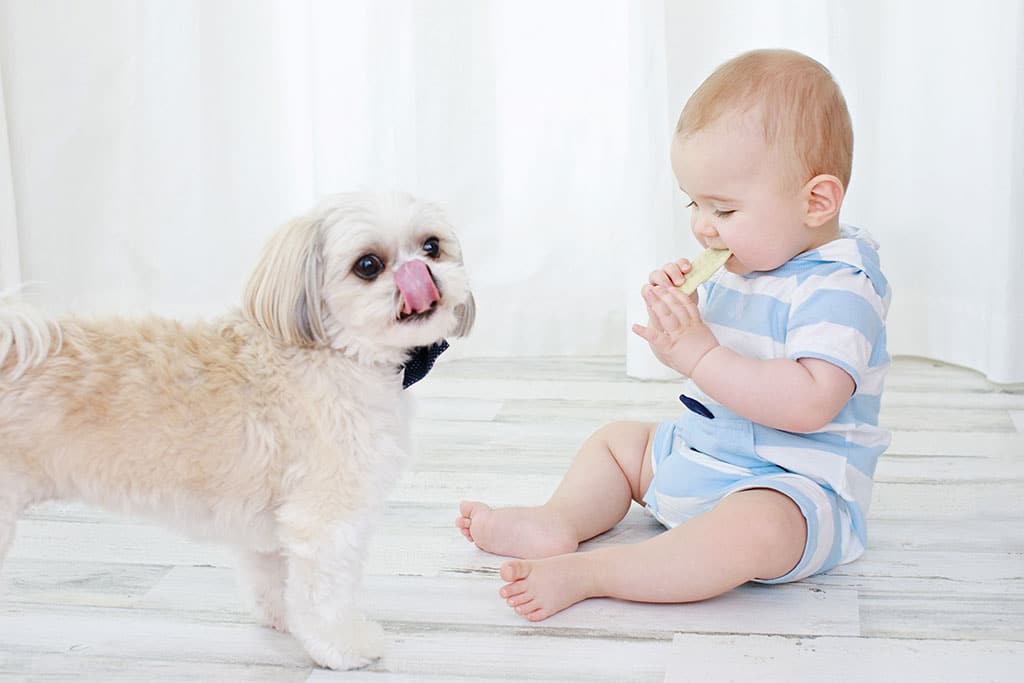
(799, 102)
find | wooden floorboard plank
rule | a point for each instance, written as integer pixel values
(778, 658)
(91, 595)
(471, 599)
(83, 668)
(514, 655)
(131, 634)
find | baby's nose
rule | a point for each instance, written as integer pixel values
(705, 228)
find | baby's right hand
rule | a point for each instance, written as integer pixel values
(672, 274)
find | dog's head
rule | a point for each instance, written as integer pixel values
(371, 275)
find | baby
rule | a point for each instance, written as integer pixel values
(767, 475)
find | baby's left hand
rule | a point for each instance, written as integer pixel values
(676, 332)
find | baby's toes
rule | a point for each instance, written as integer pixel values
(526, 609)
(515, 570)
(519, 600)
(537, 614)
(468, 508)
(463, 524)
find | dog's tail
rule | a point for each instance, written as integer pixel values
(26, 336)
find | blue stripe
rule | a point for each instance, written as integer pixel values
(811, 264)
(841, 308)
(809, 510)
(852, 371)
(663, 437)
(863, 458)
(683, 476)
(857, 521)
(836, 553)
(861, 409)
(730, 441)
(879, 352)
(814, 263)
(873, 268)
(758, 314)
(660, 450)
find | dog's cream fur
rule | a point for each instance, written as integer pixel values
(276, 429)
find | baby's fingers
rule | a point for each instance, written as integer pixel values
(666, 315)
(659, 277)
(648, 334)
(671, 274)
(686, 302)
(676, 271)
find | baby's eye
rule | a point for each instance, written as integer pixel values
(724, 214)
(691, 204)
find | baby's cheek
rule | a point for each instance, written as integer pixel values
(737, 268)
(744, 258)
(757, 256)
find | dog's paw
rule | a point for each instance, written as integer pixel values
(352, 644)
(270, 610)
(274, 620)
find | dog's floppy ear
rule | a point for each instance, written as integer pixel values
(283, 294)
(465, 313)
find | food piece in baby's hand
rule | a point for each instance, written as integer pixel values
(703, 267)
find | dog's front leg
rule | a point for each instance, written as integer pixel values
(321, 595)
(265, 574)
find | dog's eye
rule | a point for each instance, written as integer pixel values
(368, 266)
(432, 247)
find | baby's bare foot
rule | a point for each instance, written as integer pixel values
(516, 532)
(539, 588)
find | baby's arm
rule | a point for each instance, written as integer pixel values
(795, 395)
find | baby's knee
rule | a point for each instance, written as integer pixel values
(629, 444)
(624, 431)
(773, 521)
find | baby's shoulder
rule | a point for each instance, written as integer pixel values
(846, 265)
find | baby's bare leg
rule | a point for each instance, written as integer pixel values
(612, 468)
(759, 533)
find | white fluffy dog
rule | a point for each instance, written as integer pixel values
(277, 429)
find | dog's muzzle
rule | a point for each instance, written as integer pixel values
(416, 287)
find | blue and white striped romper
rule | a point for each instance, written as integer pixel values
(828, 303)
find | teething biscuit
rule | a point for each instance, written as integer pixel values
(703, 267)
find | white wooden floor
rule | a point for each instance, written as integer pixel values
(939, 595)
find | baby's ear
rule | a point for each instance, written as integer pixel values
(824, 195)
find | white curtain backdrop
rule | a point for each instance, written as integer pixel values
(10, 272)
(148, 147)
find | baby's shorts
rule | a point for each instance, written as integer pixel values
(687, 482)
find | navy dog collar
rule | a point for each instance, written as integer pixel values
(420, 361)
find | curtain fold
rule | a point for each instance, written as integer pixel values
(10, 268)
(159, 143)
(153, 146)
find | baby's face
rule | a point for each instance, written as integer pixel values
(738, 199)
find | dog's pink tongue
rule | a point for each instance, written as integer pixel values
(417, 286)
